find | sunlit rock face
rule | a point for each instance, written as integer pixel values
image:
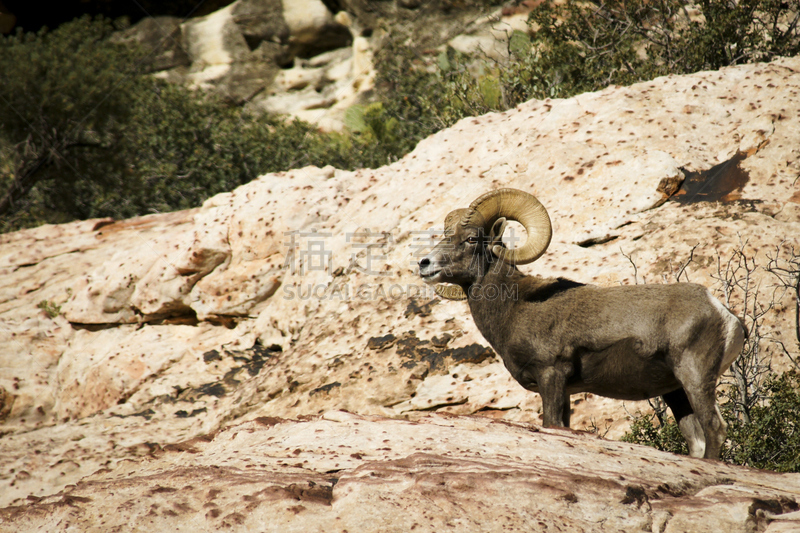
(342, 472)
(297, 294)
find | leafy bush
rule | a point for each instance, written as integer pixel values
(659, 432)
(583, 47)
(412, 103)
(52, 309)
(576, 47)
(184, 147)
(84, 134)
(64, 100)
(770, 440)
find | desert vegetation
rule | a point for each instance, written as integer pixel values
(86, 132)
(760, 404)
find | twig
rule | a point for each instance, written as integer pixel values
(686, 264)
(635, 269)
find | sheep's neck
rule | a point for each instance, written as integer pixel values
(491, 298)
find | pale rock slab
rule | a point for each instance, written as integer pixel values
(97, 370)
(343, 472)
(112, 293)
(212, 44)
(297, 293)
(305, 19)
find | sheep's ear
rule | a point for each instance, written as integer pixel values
(496, 234)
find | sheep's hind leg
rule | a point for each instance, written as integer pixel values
(690, 427)
(714, 429)
(700, 390)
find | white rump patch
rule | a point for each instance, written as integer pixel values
(733, 331)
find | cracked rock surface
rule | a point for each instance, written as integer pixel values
(342, 472)
(297, 294)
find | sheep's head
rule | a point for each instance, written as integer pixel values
(473, 239)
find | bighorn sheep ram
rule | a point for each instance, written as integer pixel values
(559, 337)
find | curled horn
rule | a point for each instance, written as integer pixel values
(445, 290)
(521, 207)
(454, 217)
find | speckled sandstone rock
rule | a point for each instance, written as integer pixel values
(296, 294)
(342, 472)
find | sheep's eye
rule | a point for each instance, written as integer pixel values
(472, 240)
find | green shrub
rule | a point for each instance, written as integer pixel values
(184, 147)
(661, 433)
(577, 47)
(64, 99)
(413, 105)
(772, 438)
(84, 134)
(770, 441)
(51, 309)
(583, 46)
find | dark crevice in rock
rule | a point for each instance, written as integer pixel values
(195, 412)
(332, 37)
(147, 414)
(211, 356)
(489, 409)
(94, 327)
(441, 405)
(325, 388)
(419, 309)
(270, 421)
(597, 240)
(381, 343)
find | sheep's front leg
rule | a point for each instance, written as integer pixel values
(555, 399)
